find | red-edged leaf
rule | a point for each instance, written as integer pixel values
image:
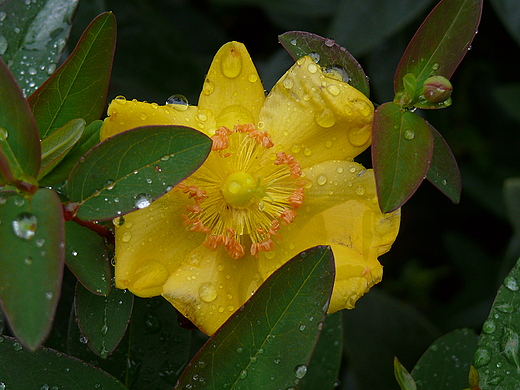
(441, 42)
(78, 88)
(328, 54)
(18, 126)
(444, 172)
(401, 152)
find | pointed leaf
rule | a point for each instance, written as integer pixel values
(497, 357)
(129, 170)
(31, 260)
(34, 34)
(87, 258)
(56, 146)
(325, 363)
(17, 122)
(46, 368)
(445, 365)
(88, 140)
(103, 320)
(269, 341)
(401, 152)
(328, 54)
(444, 172)
(78, 88)
(441, 41)
(403, 377)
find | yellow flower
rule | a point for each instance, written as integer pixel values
(280, 179)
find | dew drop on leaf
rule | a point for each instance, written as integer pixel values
(24, 226)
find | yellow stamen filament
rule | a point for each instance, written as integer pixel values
(241, 197)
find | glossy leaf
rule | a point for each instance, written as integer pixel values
(34, 34)
(31, 260)
(328, 54)
(153, 352)
(497, 357)
(88, 140)
(56, 146)
(325, 363)
(78, 88)
(446, 363)
(46, 368)
(444, 172)
(130, 169)
(87, 258)
(268, 342)
(18, 125)
(441, 41)
(402, 147)
(103, 320)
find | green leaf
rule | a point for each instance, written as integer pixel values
(363, 25)
(441, 41)
(153, 352)
(88, 140)
(78, 88)
(444, 172)
(56, 146)
(445, 365)
(103, 320)
(388, 326)
(402, 147)
(268, 342)
(87, 258)
(403, 377)
(129, 170)
(46, 368)
(325, 363)
(328, 54)
(34, 34)
(497, 357)
(17, 125)
(31, 260)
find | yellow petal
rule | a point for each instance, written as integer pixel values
(207, 291)
(358, 233)
(151, 244)
(127, 114)
(315, 117)
(232, 90)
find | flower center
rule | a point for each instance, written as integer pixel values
(243, 192)
(239, 189)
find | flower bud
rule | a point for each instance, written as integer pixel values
(436, 89)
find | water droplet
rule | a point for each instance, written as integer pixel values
(325, 118)
(231, 64)
(307, 151)
(435, 66)
(32, 71)
(511, 283)
(17, 346)
(505, 307)
(360, 190)
(208, 87)
(48, 295)
(339, 169)
(321, 179)
(302, 327)
(333, 90)
(489, 327)
(2, 386)
(253, 78)
(28, 261)
(482, 357)
(510, 342)
(3, 200)
(408, 134)
(329, 42)
(2, 16)
(207, 292)
(287, 83)
(126, 237)
(142, 201)
(277, 360)
(40, 242)
(3, 45)
(312, 68)
(143, 116)
(50, 69)
(315, 57)
(300, 371)
(293, 42)
(24, 226)
(179, 102)
(243, 374)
